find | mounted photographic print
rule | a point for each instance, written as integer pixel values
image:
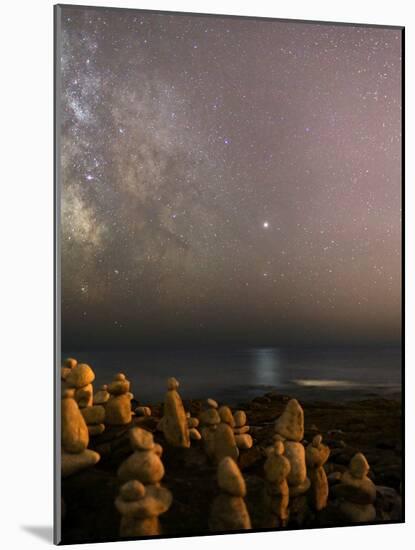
(228, 274)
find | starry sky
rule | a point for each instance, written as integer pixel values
(228, 181)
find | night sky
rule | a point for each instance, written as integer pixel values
(228, 181)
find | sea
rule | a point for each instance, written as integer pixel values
(239, 375)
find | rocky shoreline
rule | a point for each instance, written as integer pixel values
(372, 426)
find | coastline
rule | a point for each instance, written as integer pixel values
(371, 425)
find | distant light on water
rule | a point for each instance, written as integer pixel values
(267, 366)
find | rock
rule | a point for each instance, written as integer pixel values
(195, 434)
(334, 478)
(145, 466)
(102, 396)
(276, 495)
(143, 411)
(119, 385)
(175, 427)
(193, 422)
(250, 457)
(212, 403)
(209, 417)
(132, 490)
(73, 463)
(140, 516)
(65, 373)
(296, 455)
(118, 410)
(317, 455)
(74, 431)
(226, 416)
(359, 467)
(239, 419)
(230, 479)
(242, 430)
(94, 414)
(172, 384)
(291, 423)
(224, 443)
(229, 513)
(96, 429)
(244, 441)
(81, 375)
(84, 396)
(358, 513)
(70, 363)
(141, 440)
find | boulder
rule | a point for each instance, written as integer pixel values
(290, 424)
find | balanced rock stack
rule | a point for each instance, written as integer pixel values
(229, 510)
(74, 437)
(174, 422)
(142, 499)
(242, 437)
(289, 427)
(192, 424)
(224, 441)
(80, 378)
(209, 420)
(317, 455)
(102, 396)
(276, 496)
(67, 365)
(356, 492)
(118, 407)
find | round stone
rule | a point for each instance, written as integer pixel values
(141, 439)
(230, 478)
(172, 384)
(80, 376)
(132, 490)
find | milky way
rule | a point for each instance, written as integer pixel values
(228, 180)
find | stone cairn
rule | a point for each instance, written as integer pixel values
(317, 455)
(289, 427)
(356, 493)
(224, 441)
(101, 397)
(192, 424)
(74, 437)
(142, 499)
(229, 511)
(276, 493)
(242, 437)
(174, 422)
(80, 378)
(209, 420)
(118, 407)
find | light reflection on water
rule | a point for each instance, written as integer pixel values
(266, 367)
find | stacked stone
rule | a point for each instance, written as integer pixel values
(290, 428)
(192, 424)
(143, 411)
(102, 396)
(94, 417)
(242, 437)
(118, 407)
(174, 422)
(229, 511)
(356, 492)
(80, 378)
(317, 455)
(142, 499)
(74, 437)
(277, 467)
(67, 365)
(209, 420)
(224, 440)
